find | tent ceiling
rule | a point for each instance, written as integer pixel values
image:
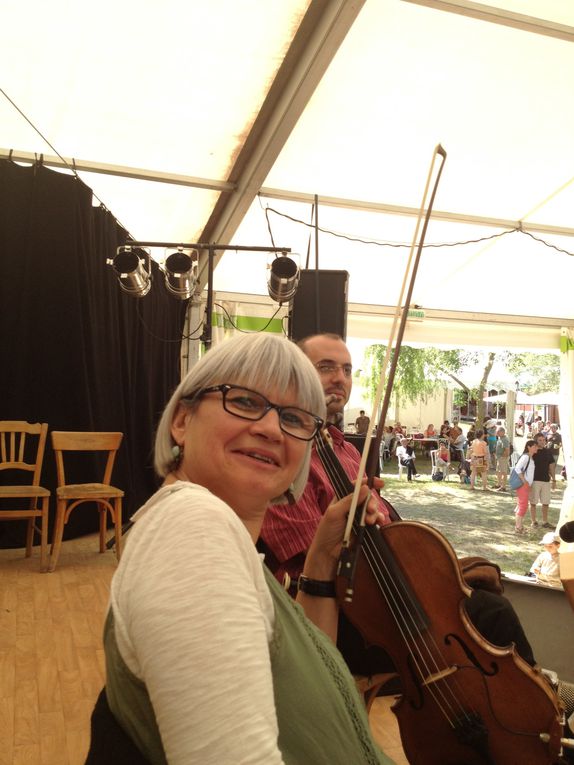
(235, 92)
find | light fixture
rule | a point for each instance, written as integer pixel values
(133, 269)
(283, 279)
(181, 273)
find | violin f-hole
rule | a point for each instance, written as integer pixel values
(470, 655)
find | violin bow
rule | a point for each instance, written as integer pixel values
(393, 346)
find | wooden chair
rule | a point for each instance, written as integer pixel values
(18, 452)
(69, 496)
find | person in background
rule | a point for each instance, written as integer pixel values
(362, 423)
(519, 426)
(444, 429)
(489, 427)
(443, 457)
(502, 454)
(537, 425)
(525, 469)
(478, 453)
(471, 434)
(406, 455)
(554, 441)
(430, 432)
(457, 443)
(288, 530)
(544, 478)
(208, 660)
(389, 439)
(546, 567)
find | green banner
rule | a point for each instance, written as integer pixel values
(247, 323)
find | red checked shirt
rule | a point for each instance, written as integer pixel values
(289, 529)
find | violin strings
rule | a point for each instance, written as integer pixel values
(413, 636)
(342, 486)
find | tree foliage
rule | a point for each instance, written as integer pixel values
(535, 372)
(423, 371)
(420, 371)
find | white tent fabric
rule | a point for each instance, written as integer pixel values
(539, 399)
(341, 98)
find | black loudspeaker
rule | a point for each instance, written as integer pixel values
(320, 304)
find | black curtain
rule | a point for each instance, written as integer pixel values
(75, 351)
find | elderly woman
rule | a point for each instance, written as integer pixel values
(208, 660)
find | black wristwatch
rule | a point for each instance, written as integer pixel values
(316, 587)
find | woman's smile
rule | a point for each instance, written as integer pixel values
(245, 462)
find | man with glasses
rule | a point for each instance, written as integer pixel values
(288, 530)
(540, 491)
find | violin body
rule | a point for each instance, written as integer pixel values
(464, 701)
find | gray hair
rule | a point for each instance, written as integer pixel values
(258, 361)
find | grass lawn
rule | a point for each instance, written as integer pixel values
(474, 522)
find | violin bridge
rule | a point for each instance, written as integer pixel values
(436, 676)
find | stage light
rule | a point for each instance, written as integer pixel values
(133, 269)
(283, 279)
(181, 273)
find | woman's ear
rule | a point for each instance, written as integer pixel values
(179, 424)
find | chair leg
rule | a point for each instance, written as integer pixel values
(118, 525)
(103, 526)
(29, 537)
(58, 534)
(44, 536)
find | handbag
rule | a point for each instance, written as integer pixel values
(514, 479)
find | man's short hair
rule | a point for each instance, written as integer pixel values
(329, 335)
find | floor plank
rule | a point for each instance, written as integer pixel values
(52, 661)
(51, 656)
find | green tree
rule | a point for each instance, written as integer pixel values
(536, 372)
(420, 371)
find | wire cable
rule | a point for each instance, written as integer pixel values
(402, 245)
(248, 331)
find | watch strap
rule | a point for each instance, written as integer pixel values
(316, 587)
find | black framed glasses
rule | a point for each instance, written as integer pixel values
(330, 368)
(250, 405)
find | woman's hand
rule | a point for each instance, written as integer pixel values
(321, 561)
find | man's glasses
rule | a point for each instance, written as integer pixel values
(329, 368)
(249, 405)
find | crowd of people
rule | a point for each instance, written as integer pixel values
(485, 449)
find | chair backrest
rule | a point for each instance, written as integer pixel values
(72, 441)
(18, 452)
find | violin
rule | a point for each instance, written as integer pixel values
(464, 701)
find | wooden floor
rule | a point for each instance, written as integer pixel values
(51, 657)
